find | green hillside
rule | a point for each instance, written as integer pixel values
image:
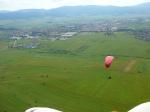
(70, 76)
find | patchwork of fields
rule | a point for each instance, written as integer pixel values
(69, 75)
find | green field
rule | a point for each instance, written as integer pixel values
(70, 76)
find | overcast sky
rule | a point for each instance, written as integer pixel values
(48, 4)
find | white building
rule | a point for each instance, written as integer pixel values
(68, 34)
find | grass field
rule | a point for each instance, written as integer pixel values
(69, 75)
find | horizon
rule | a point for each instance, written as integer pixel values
(50, 4)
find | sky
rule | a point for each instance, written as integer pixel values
(48, 4)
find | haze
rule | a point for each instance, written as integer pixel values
(48, 4)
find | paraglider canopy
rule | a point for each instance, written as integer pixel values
(145, 107)
(41, 109)
(108, 61)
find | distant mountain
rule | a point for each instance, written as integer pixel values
(144, 5)
(23, 14)
(72, 11)
(3, 11)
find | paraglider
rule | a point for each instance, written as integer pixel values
(108, 61)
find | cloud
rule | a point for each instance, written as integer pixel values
(47, 4)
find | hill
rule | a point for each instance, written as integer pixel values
(73, 11)
(69, 75)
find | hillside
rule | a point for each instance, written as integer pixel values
(69, 75)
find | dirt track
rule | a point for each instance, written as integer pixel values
(129, 66)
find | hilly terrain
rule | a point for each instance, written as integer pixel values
(76, 11)
(69, 75)
(55, 58)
